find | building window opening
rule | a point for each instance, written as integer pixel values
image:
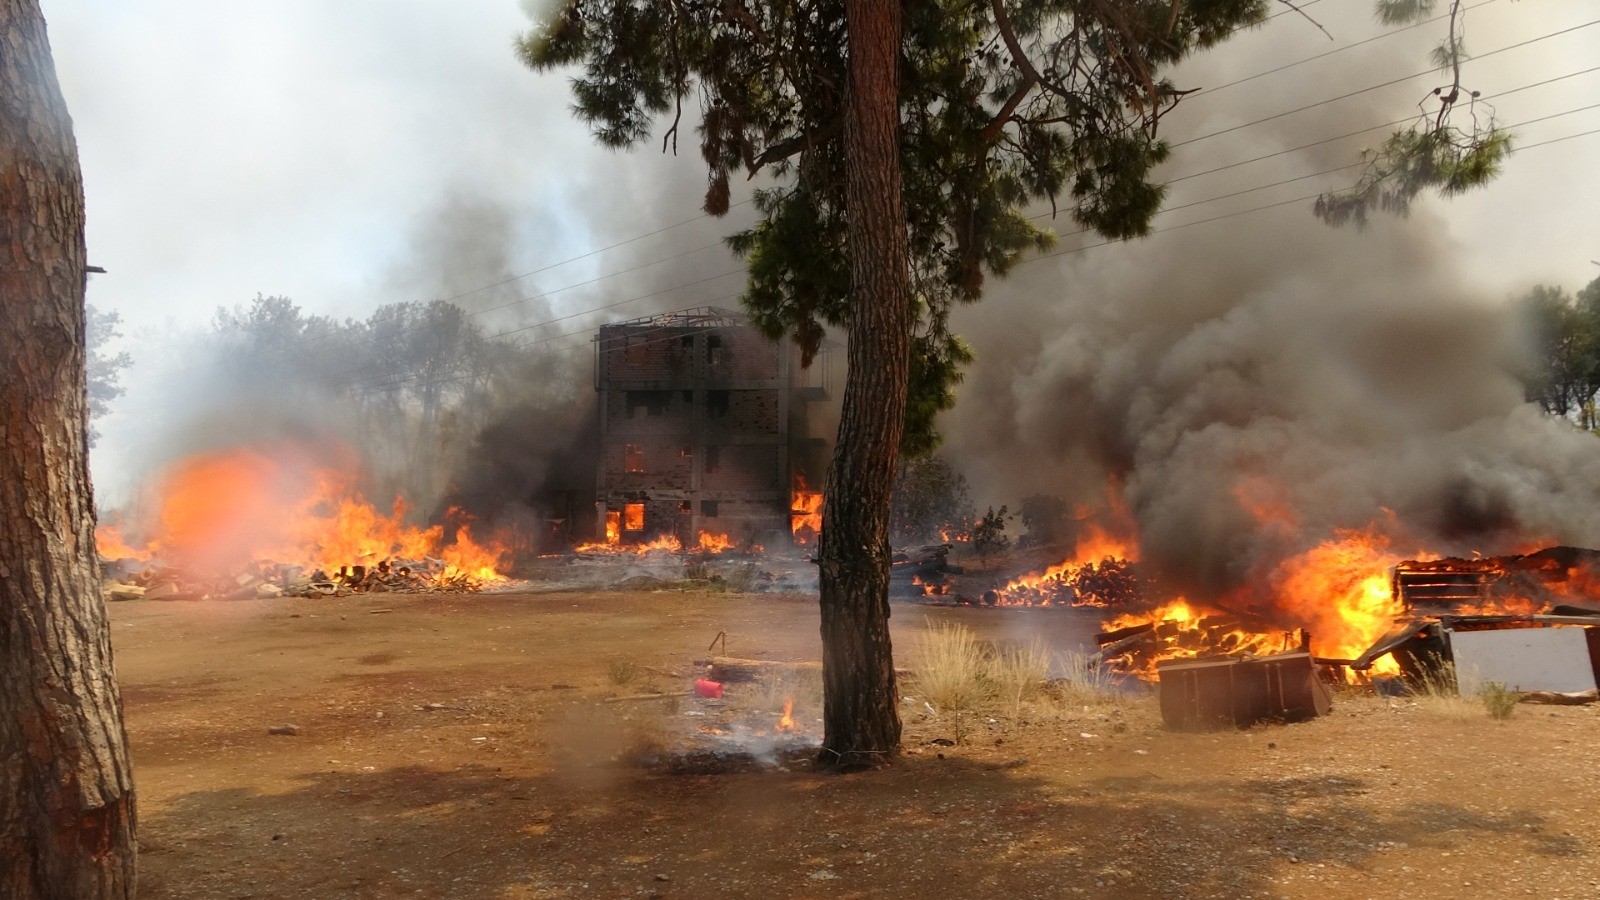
(708, 508)
(633, 517)
(714, 349)
(633, 457)
(713, 460)
(686, 451)
(647, 403)
(686, 507)
(717, 403)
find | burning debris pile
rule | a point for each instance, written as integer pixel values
(1136, 643)
(1520, 583)
(1111, 582)
(273, 522)
(129, 579)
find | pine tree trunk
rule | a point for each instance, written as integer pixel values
(861, 719)
(66, 791)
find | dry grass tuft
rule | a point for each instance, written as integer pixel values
(949, 667)
(1019, 674)
(1437, 693)
(960, 676)
(1084, 682)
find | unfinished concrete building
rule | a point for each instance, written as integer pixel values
(704, 425)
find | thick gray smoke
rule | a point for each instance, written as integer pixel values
(1257, 382)
(400, 397)
(1325, 379)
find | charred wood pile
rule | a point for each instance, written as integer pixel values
(921, 571)
(127, 579)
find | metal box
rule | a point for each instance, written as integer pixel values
(1213, 694)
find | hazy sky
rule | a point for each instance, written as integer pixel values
(296, 147)
(318, 150)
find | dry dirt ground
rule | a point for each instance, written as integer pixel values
(475, 747)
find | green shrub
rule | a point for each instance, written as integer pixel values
(1499, 700)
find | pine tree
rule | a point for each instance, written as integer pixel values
(995, 105)
(66, 790)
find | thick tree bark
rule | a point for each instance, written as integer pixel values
(66, 792)
(861, 719)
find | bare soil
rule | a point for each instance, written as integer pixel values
(492, 746)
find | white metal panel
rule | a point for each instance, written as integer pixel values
(1523, 659)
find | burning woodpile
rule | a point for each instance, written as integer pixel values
(270, 523)
(126, 579)
(1101, 572)
(1111, 582)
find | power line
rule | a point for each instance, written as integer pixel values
(1273, 71)
(554, 265)
(1254, 209)
(1391, 124)
(1375, 87)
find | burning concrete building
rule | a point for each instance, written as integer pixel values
(705, 428)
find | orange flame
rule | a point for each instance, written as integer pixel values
(111, 544)
(1096, 544)
(219, 512)
(711, 542)
(1184, 631)
(805, 512)
(667, 542)
(1340, 591)
(786, 723)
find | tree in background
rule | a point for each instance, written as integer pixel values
(104, 369)
(66, 789)
(989, 534)
(1048, 519)
(414, 383)
(930, 501)
(903, 142)
(1562, 374)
